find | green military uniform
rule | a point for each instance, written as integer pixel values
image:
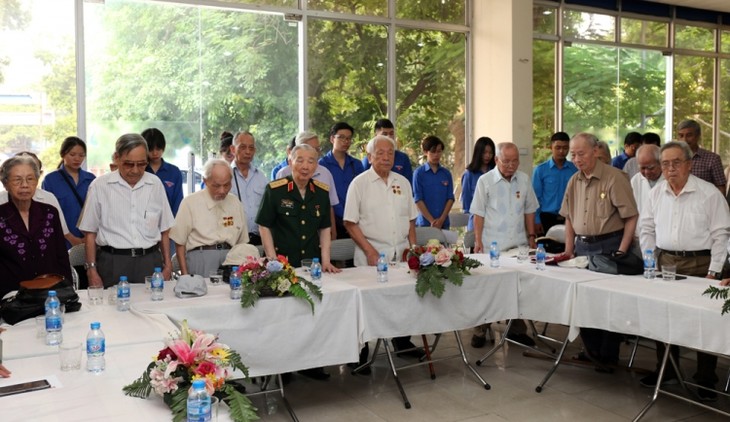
(295, 222)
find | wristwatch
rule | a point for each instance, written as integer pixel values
(714, 274)
(89, 265)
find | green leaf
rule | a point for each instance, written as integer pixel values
(716, 293)
(297, 290)
(178, 403)
(140, 387)
(241, 408)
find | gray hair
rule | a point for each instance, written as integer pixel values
(18, 160)
(502, 146)
(651, 149)
(303, 147)
(213, 163)
(128, 142)
(241, 133)
(690, 124)
(303, 137)
(681, 145)
(603, 146)
(371, 144)
(589, 137)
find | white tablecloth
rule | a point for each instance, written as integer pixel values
(84, 396)
(278, 334)
(120, 328)
(673, 312)
(394, 309)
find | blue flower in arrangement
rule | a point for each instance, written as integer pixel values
(274, 266)
(426, 259)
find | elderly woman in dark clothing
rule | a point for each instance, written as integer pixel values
(31, 238)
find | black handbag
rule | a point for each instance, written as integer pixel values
(30, 300)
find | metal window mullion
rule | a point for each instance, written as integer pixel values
(80, 71)
(391, 82)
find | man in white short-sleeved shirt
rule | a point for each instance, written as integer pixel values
(126, 219)
(380, 214)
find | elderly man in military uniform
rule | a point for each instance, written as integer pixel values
(294, 216)
(209, 222)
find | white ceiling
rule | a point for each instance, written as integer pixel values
(717, 5)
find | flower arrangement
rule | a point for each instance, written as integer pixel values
(433, 263)
(273, 277)
(190, 356)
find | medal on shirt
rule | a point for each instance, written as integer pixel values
(227, 221)
(290, 187)
(396, 189)
(287, 203)
(317, 208)
(603, 195)
(518, 194)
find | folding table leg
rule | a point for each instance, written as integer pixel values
(466, 361)
(427, 350)
(496, 347)
(554, 367)
(658, 384)
(406, 403)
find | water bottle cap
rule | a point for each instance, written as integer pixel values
(539, 245)
(648, 251)
(315, 260)
(95, 325)
(382, 254)
(198, 384)
(494, 243)
(234, 268)
(122, 278)
(158, 269)
(51, 293)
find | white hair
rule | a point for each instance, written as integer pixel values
(303, 137)
(371, 144)
(212, 163)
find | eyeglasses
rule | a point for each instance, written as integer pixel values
(672, 164)
(18, 181)
(344, 138)
(130, 165)
(647, 168)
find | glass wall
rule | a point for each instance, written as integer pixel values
(37, 78)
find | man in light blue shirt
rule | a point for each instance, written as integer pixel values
(249, 183)
(549, 181)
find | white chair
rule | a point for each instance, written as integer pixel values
(469, 240)
(458, 219)
(424, 234)
(342, 250)
(77, 255)
(175, 264)
(75, 278)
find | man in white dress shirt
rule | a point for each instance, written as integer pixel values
(648, 159)
(209, 222)
(504, 208)
(128, 218)
(686, 221)
(249, 183)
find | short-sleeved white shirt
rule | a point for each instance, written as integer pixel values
(503, 204)
(383, 211)
(126, 217)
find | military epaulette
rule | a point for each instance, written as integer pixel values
(322, 185)
(278, 183)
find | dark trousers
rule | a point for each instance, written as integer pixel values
(549, 219)
(341, 230)
(111, 267)
(706, 364)
(254, 239)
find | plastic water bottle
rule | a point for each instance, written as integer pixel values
(199, 409)
(157, 285)
(51, 296)
(95, 348)
(235, 283)
(54, 324)
(649, 263)
(540, 257)
(382, 269)
(316, 272)
(494, 255)
(123, 294)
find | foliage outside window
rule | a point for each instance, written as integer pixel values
(355, 7)
(588, 26)
(446, 11)
(724, 134)
(644, 32)
(543, 20)
(694, 38)
(693, 92)
(543, 98)
(725, 42)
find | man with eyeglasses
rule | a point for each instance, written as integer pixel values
(600, 219)
(249, 183)
(686, 222)
(504, 208)
(344, 169)
(126, 219)
(705, 164)
(401, 163)
(649, 175)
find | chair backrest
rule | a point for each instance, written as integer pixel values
(424, 234)
(77, 255)
(175, 264)
(75, 278)
(458, 219)
(342, 250)
(469, 239)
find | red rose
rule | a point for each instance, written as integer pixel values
(460, 255)
(205, 368)
(413, 262)
(165, 353)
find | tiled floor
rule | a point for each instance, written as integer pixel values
(574, 393)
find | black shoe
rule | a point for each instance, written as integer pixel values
(521, 338)
(478, 342)
(364, 371)
(586, 356)
(707, 395)
(409, 348)
(315, 373)
(286, 378)
(650, 380)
